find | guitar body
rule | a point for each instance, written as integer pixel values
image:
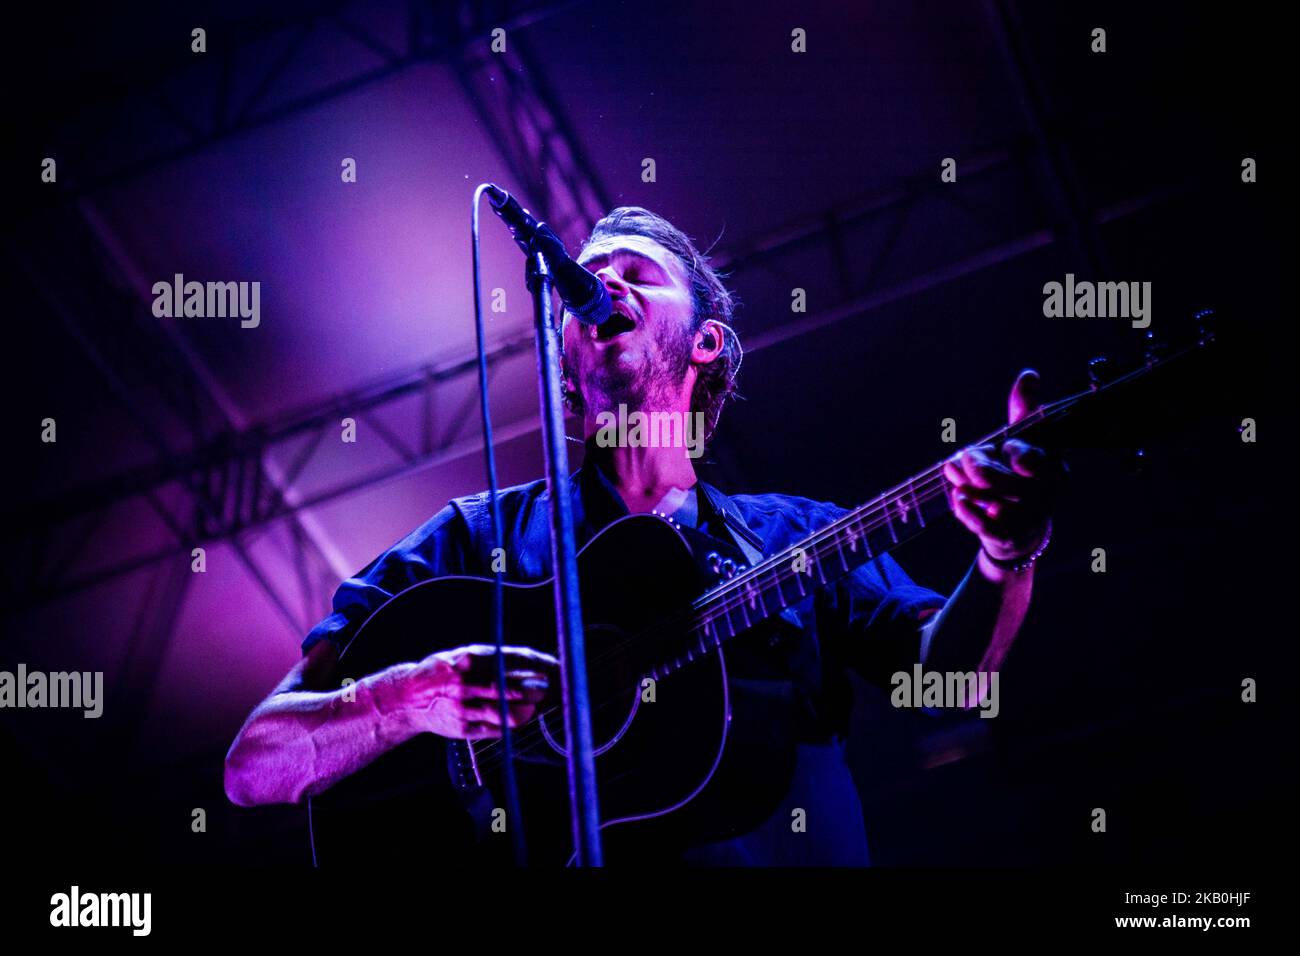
(696, 757)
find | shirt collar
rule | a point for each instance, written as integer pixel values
(597, 503)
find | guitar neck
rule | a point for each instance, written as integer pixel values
(834, 551)
(899, 514)
(824, 557)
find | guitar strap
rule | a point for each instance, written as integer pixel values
(750, 544)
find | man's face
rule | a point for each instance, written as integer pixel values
(641, 355)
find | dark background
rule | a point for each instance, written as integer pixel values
(816, 170)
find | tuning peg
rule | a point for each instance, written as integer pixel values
(1097, 372)
(1153, 349)
(1205, 322)
(728, 568)
(714, 561)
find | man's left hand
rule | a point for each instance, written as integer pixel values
(1005, 495)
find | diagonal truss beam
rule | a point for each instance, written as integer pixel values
(195, 102)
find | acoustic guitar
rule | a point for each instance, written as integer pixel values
(691, 714)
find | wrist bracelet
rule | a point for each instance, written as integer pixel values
(1025, 563)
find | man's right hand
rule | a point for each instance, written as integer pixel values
(454, 693)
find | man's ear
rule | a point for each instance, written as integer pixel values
(569, 388)
(709, 342)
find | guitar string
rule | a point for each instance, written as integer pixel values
(922, 488)
(932, 484)
(721, 597)
(734, 594)
(879, 504)
(528, 739)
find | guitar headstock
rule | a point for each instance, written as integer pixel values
(1156, 349)
(1124, 401)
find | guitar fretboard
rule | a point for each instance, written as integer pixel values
(825, 556)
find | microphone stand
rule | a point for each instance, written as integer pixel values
(583, 803)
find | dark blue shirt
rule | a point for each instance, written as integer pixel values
(868, 622)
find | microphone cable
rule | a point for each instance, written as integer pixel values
(514, 816)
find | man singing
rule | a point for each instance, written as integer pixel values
(670, 348)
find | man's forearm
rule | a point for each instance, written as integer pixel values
(976, 628)
(298, 743)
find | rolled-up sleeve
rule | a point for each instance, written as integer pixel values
(883, 610)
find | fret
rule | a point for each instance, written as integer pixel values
(732, 630)
(747, 595)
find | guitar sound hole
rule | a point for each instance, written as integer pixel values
(614, 690)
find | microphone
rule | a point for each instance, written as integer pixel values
(581, 292)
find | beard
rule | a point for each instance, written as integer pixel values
(651, 386)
